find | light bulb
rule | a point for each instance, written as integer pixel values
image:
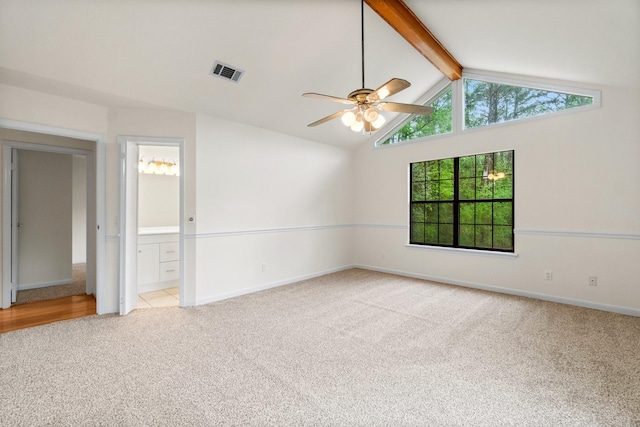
(500, 175)
(371, 115)
(379, 121)
(141, 166)
(357, 126)
(348, 118)
(152, 167)
(163, 167)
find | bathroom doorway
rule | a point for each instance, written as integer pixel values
(151, 226)
(158, 226)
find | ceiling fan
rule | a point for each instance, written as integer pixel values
(366, 104)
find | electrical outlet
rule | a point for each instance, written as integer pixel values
(548, 275)
(264, 267)
(593, 280)
(384, 255)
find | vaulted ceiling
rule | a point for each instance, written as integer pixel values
(159, 53)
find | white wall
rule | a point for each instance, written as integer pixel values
(37, 107)
(44, 200)
(158, 200)
(159, 195)
(153, 123)
(577, 198)
(267, 198)
(79, 207)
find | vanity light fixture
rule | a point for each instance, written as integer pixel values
(158, 167)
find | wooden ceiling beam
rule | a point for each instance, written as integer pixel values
(404, 21)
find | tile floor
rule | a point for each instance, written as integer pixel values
(163, 298)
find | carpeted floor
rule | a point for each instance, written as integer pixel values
(354, 348)
(78, 286)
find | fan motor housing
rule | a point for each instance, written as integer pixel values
(360, 95)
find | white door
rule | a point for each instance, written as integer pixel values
(128, 227)
(15, 225)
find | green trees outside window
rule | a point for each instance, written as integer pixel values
(440, 121)
(486, 103)
(464, 202)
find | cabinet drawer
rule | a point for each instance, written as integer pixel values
(169, 251)
(169, 271)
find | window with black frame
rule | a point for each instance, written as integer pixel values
(463, 202)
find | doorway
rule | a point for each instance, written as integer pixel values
(45, 139)
(151, 219)
(49, 225)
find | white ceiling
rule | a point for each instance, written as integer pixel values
(159, 53)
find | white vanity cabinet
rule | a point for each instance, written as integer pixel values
(158, 261)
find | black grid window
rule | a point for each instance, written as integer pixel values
(464, 202)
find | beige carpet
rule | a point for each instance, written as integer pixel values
(77, 287)
(355, 348)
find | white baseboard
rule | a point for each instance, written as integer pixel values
(270, 285)
(44, 284)
(544, 297)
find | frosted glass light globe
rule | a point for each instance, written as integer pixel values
(348, 118)
(371, 115)
(357, 126)
(379, 121)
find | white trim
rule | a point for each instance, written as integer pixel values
(588, 234)
(100, 200)
(562, 233)
(45, 284)
(535, 295)
(387, 226)
(270, 285)
(266, 230)
(463, 251)
(50, 130)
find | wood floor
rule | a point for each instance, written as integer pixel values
(39, 313)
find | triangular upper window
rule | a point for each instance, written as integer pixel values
(488, 102)
(438, 122)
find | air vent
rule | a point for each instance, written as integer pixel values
(226, 72)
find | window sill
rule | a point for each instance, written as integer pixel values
(476, 252)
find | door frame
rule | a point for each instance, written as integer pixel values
(129, 217)
(10, 163)
(96, 203)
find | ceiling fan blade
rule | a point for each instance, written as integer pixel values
(326, 119)
(405, 108)
(328, 98)
(391, 87)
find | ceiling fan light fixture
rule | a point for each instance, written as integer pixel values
(378, 122)
(348, 118)
(370, 114)
(357, 126)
